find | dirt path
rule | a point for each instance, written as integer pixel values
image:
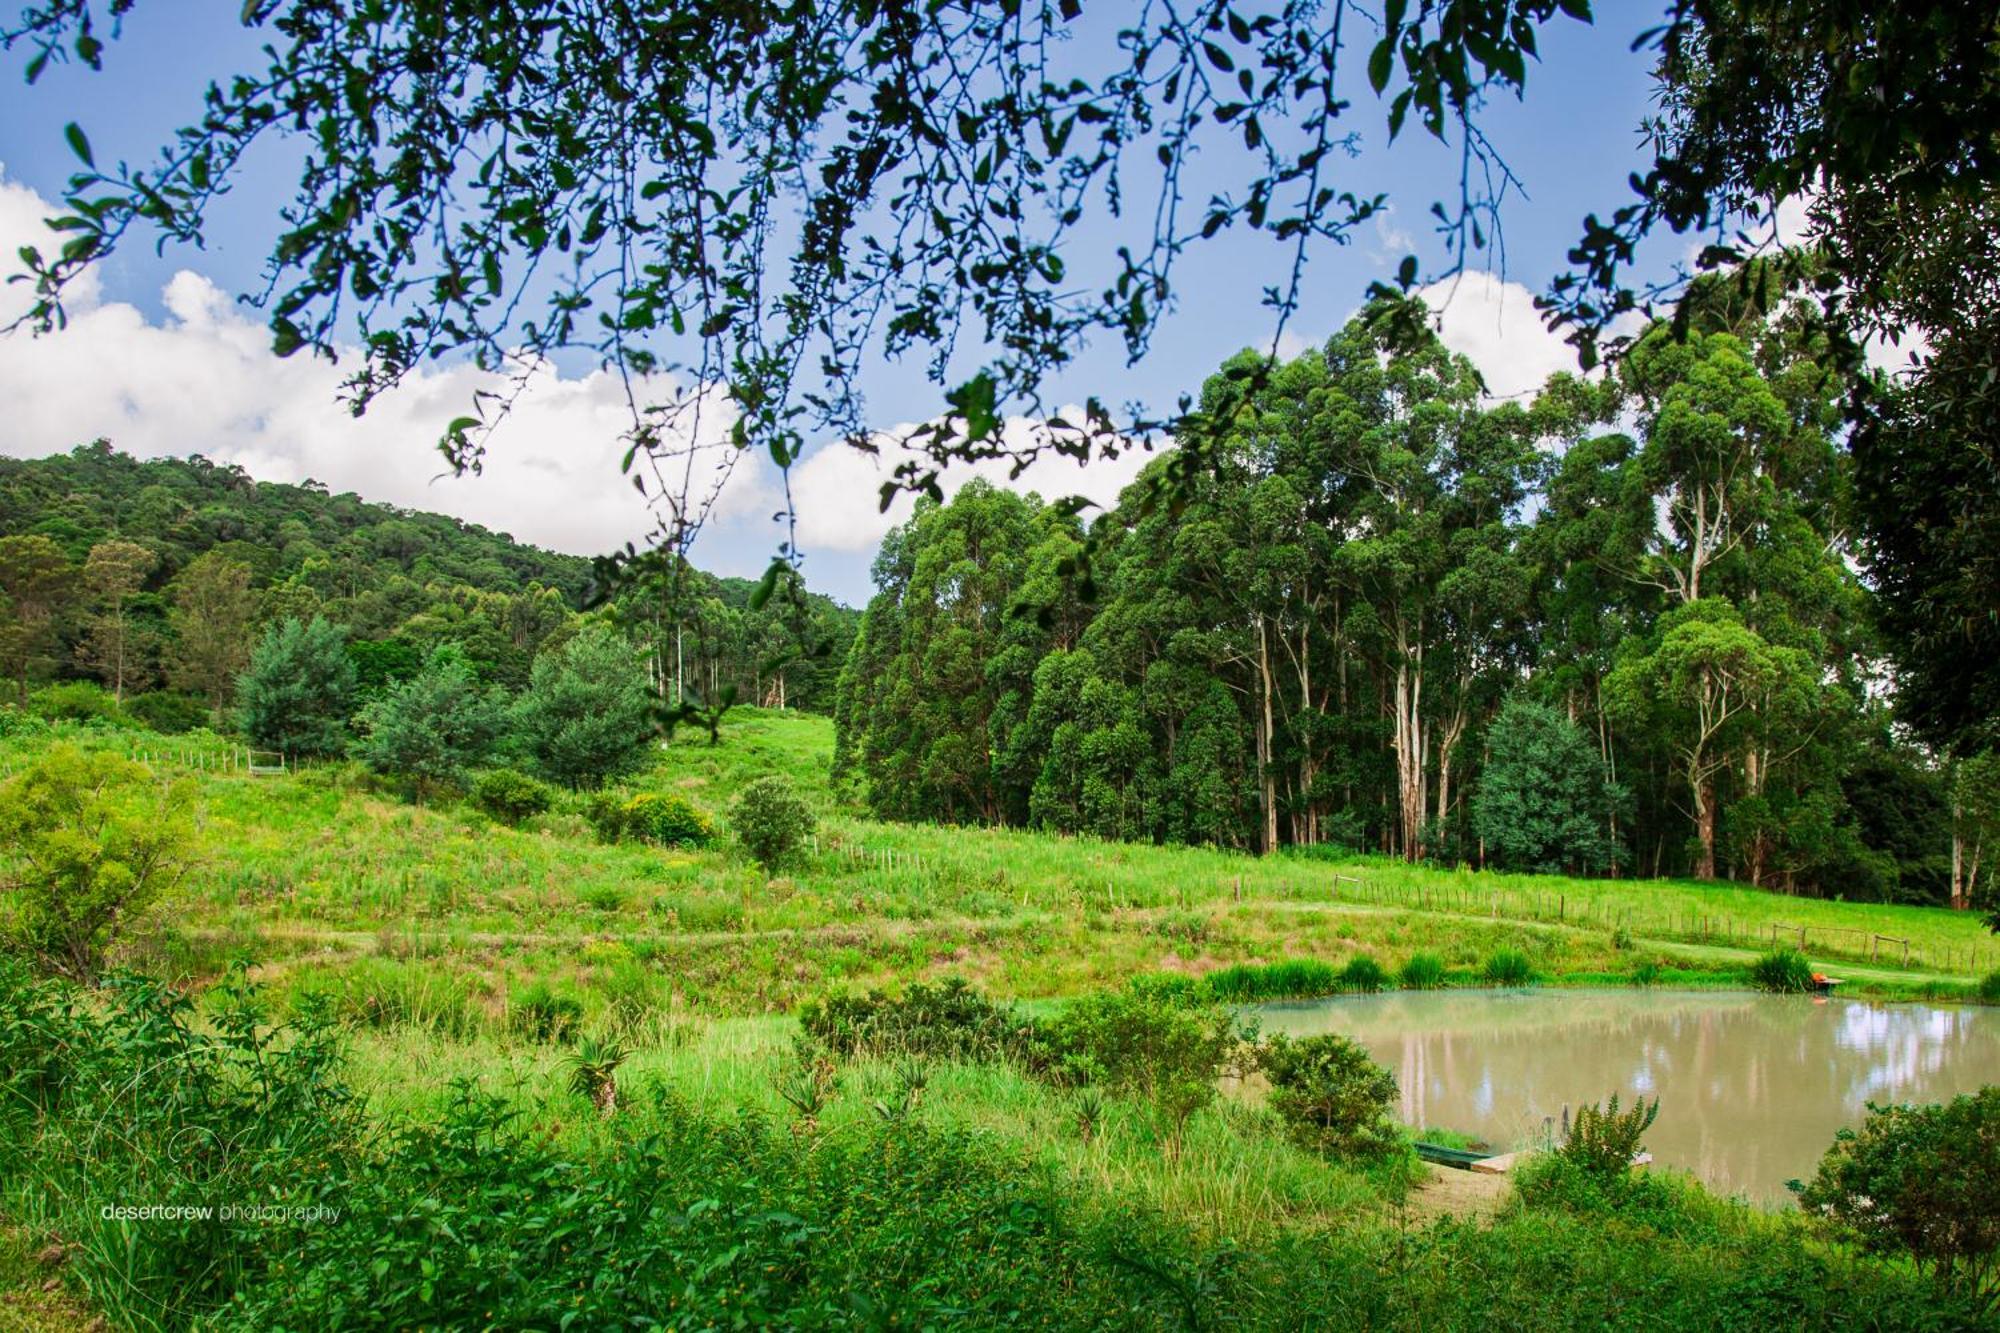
(1449, 1192)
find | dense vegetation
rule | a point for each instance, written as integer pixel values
(158, 580)
(460, 1000)
(1614, 630)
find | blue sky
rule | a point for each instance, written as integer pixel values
(164, 362)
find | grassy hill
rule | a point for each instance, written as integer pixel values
(316, 875)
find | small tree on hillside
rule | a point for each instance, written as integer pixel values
(298, 692)
(586, 714)
(427, 731)
(86, 840)
(771, 821)
(1544, 802)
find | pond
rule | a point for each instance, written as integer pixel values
(1751, 1087)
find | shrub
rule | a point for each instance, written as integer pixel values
(1784, 971)
(667, 818)
(601, 897)
(510, 795)
(1989, 988)
(92, 838)
(1922, 1181)
(1604, 1140)
(947, 1021)
(1424, 971)
(1363, 973)
(541, 1014)
(1333, 1099)
(1509, 967)
(384, 993)
(77, 701)
(208, 1109)
(168, 711)
(771, 821)
(1137, 1042)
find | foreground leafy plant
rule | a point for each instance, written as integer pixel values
(86, 841)
(1332, 1097)
(1922, 1181)
(1604, 1140)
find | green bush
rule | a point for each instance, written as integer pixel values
(666, 818)
(384, 993)
(947, 1021)
(78, 701)
(211, 1108)
(1333, 1099)
(1922, 1181)
(511, 796)
(1139, 1042)
(771, 821)
(1363, 973)
(1989, 988)
(1423, 971)
(92, 838)
(1784, 971)
(544, 1015)
(168, 712)
(1509, 967)
(1603, 1140)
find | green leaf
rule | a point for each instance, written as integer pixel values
(1379, 64)
(78, 144)
(976, 400)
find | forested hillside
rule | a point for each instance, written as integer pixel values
(158, 579)
(1615, 630)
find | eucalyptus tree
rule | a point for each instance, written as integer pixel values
(942, 670)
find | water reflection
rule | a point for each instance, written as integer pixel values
(1752, 1087)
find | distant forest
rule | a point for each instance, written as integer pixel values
(157, 580)
(1618, 629)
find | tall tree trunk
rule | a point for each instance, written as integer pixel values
(1266, 762)
(1704, 824)
(1410, 746)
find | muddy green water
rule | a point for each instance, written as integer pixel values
(1751, 1087)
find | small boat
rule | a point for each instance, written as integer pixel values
(1822, 984)
(1443, 1156)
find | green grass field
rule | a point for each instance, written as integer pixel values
(430, 930)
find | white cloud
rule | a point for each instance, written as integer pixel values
(1495, 325)
(23, 221)
(838, 489)
(203, 380)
